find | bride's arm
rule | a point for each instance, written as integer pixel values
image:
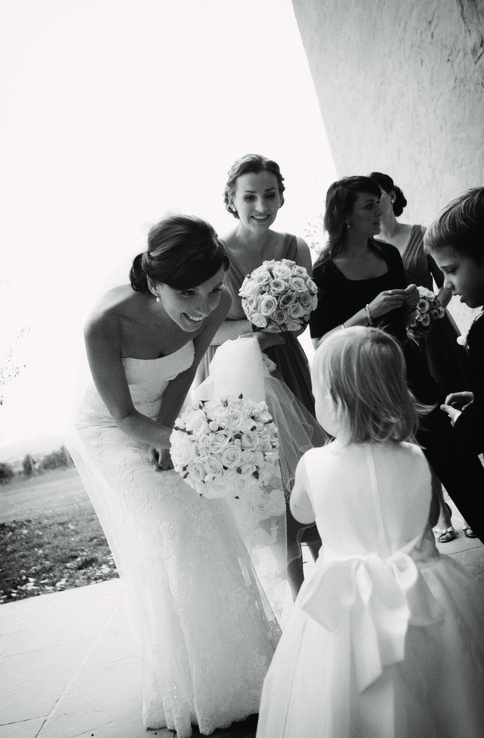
(178, 388)
(104, 354)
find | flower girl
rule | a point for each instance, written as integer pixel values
(387, 636)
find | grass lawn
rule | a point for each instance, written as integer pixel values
(50, 541)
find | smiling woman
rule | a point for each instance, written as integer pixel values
(205, 630)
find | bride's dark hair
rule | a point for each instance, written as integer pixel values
(183, 251)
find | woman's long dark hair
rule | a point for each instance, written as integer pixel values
(340, 199)
(183, 251)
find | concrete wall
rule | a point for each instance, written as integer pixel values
(400, 85)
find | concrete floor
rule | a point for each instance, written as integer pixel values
(69, 666)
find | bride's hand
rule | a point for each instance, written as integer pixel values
(160, 458)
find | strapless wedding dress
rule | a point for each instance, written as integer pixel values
(206, 631)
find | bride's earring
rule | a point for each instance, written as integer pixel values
(157, 298)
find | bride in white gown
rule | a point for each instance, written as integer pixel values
(205, 628)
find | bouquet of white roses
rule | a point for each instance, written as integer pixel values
(429, 309)
(278, 296)
(217, 446)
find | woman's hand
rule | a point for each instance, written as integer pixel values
(455, 403)
(412, 297)
(160, 458)
(387, 301)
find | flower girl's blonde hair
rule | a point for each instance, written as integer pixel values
(362, 372)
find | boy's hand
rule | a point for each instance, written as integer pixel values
(455, 403)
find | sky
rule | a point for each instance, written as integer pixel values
(114, 113)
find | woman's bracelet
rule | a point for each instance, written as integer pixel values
(368, 314)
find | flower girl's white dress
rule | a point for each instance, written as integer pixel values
(386, 639)
(206, 631)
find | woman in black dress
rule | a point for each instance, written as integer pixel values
(362, 282)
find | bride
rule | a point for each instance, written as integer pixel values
(206, 632)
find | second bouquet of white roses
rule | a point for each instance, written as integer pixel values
(218, 446)
(429, 309)
(278, 296)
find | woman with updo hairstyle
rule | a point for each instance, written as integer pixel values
(446, 359)
(182, 252)
(206, 633)
(361, 281)
(253, 194)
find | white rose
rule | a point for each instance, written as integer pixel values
(297, 284)
(220, 440)
(196, 473)
(296, 310)
(278, 286)
(248, 456)
(261, 277)
(214, 466)
(251, 302)
(205, 441)
(200, 453)
(265, 445)
(287, 299)
(279, 316)
(196, 423)
(235, 418)
(307, 300)
(281, 270)
(249, 440)
(182, 449)
(267, 305)
(231, 456)
(258, 320)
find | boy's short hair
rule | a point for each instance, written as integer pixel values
(460, 225)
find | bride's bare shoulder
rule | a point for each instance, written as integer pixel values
(113, 306)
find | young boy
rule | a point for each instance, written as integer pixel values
(456, 241)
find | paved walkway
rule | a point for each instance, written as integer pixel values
(69, 666)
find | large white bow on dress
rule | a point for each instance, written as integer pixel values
(380, 596)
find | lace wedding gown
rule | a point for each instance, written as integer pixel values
(386, 638)
(206, 632)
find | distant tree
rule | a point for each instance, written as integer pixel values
(56, 459)
(29, 465)
(6, 472)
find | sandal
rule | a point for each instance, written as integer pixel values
(469, 533)
(445, 535)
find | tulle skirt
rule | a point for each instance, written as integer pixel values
(206, 631)
(436, 691)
